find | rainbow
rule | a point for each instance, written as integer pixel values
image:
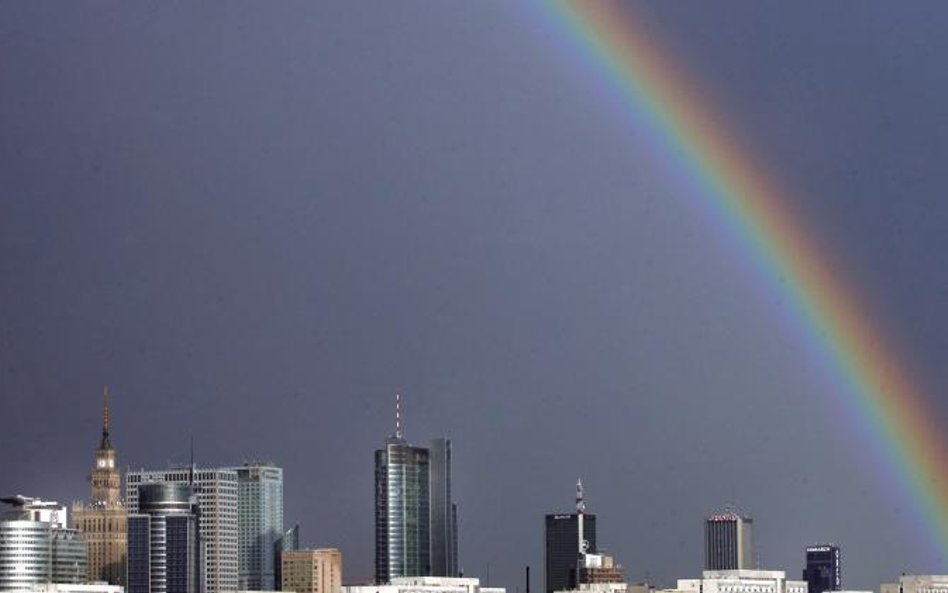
(848, 340)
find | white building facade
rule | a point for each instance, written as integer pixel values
(426, 585)
(917, 583)
(742, 581)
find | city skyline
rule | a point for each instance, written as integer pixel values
(255, 224)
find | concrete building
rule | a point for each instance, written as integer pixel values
(823, 570)
(426, 585)
(260, 525)
(917, 583)
(36, 546)
(729, 542)
(164, 545)
(217, 497)
(742, 581)
(103, 522)
(312, 571)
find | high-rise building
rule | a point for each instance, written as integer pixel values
(288, 542)
(569, 537)
(37, 547)
(402, 508)
(216, 491)
(163, 540)
(416, 519)
(103, 522)
(444, 531)
(823, 571)
(312, 571)
(260, 525)
(729, 542)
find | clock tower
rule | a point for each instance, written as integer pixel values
(104, 522)
(106, 481)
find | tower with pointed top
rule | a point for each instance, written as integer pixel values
(104, 521)
(415, 514)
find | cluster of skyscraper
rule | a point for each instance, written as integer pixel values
(217, 530)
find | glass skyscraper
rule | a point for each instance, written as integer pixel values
(444, 532)
(561, 555)
(402, 511)
(260, 525)
(163, 541)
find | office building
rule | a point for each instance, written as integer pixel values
(742, 581)
(823, 571)
(312, 571)
(163, 540)
(569, 538)
(36, 547)
(402, 508)
(216, 491)
(729, 542)
(260, 525)
(426, 584)
(443, 510)
(917, 583)
(103, 522)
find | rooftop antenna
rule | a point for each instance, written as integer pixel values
(580, 511)
(398, 415)
(105, 419)
(191, 472)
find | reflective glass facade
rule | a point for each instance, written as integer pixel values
(561, 557)
(823, 570)
(260, 525)
(402, 511)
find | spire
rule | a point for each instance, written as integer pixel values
(398, 415)
(580, 498)
(105, 444)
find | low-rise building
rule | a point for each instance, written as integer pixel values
(917, 583)
(426, 585)
(742, 581)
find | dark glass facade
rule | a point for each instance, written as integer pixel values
(163, 542)
(444, 536)
(823, 571)
(561, 556)
(288, 542)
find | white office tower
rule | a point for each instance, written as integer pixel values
(425, 585)
(917, 583)
(742, 581)
(218, 522)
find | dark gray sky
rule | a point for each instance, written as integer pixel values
(255, 222)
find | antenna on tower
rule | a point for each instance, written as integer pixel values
(105, 419)
(398, 415)
(191, 469)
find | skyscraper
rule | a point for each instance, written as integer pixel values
(260, 525)
(37, 547)
(415, 516)
(444, 535)
(216, 491)
(163, 540)
(103, 522)
(568, 538)
(823, 571)
(729, 542)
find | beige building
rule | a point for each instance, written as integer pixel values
(103, 522)
(917, 583)
(312, 571)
